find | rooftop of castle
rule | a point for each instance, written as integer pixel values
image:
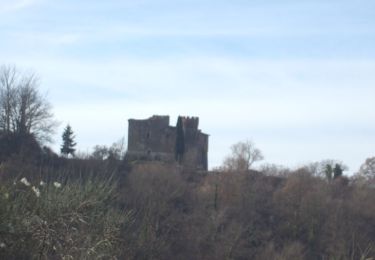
(189, 122)
(154, 117)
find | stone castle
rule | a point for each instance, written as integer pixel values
(153, 139)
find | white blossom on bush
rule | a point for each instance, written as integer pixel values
(25, 182)
(57, 184)
(36, 191)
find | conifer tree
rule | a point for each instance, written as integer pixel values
(337, 171)
(328, 172)
(68, 141)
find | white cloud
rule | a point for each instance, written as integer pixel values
(15, 5)
(45, 39)
(323, 82)
(284, 91)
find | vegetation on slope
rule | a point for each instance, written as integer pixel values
(104, 210)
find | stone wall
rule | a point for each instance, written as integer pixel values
(154, 139)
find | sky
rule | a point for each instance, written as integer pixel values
(295, 77)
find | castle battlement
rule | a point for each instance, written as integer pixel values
(190, 122)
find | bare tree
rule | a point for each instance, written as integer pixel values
(243, 155)
(367, 169)
(115, 151)
(23, 110)
(8, 78)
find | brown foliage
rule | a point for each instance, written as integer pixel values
(234, 215)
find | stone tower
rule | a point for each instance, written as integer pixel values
(153, 139)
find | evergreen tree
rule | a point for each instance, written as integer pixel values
(180, 141)
(337, 171)
(68, 141)
(329, 172)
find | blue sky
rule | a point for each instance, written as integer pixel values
(296, 77)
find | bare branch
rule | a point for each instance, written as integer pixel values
(23, 110)
(244, 155)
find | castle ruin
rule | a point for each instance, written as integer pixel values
(153, 139)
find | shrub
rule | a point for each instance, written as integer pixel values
(65, 221)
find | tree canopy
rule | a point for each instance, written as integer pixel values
(23, 109)
(243, 155)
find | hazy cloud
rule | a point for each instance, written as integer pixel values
(15, 5)
(295, 76)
